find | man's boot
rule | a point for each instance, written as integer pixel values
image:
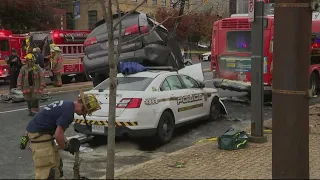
(34, 107)
(29, 108)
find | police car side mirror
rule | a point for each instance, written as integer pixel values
(202, 85)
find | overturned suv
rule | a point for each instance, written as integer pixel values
(143, 40)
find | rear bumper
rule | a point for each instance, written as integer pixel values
(233, 85)
(120, 131)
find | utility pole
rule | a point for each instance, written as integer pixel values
(290, 111)
(256, 16)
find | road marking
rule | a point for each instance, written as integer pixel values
(15, 110)
(208, 80)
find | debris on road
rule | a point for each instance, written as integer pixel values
(180, 164)
(16, 96)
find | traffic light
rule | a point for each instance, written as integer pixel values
(315, 5)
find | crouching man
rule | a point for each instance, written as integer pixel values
(49, 124)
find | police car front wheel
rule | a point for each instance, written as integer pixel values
(165, 128)
(215, 110)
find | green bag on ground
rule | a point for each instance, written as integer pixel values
(232, 140)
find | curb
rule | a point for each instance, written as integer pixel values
(66, 87)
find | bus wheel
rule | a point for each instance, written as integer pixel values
(314, 84)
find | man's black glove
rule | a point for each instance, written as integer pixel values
(73, 145)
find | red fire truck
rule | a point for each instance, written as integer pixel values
(71, 44)
(231, 54)
(9, 41)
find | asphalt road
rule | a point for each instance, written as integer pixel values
(16, 163)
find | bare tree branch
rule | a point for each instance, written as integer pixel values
(181, 10)
(91, 4)
(130, 12)
(159, 24)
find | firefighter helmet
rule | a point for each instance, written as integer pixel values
(56, 48)
(90, 102)
(30, 56)
(52, 46)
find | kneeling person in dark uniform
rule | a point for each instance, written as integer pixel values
(51, 122)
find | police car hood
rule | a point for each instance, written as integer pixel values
(194, 71)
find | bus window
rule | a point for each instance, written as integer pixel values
(239, 41)
(4, 45)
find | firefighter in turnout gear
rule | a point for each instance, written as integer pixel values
(49, 124)
(56, 66)
(31, 82)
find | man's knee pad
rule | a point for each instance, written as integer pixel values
(52, 173)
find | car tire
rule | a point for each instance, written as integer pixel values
(165, 128)
(215, 109)
(98, 140)
(314, 84)
(97, 79)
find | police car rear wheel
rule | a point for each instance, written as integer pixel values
(165, 128)
(314, 84)
(214, 109)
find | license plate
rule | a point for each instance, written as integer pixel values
(97, 129)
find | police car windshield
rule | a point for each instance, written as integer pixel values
(127, 84)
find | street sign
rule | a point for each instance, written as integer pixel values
(251, 10)
(76, 9)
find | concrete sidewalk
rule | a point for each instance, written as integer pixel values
(206, 161)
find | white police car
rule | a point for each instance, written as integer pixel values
(152, 103)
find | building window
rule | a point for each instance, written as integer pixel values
(163, 3)
(70, 24)
(154, 2)
(173, 3)
(92, 19)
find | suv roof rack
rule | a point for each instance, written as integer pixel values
(162, 68)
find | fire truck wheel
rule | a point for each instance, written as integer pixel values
(81, 78)
(314, 83)
(66, 79)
